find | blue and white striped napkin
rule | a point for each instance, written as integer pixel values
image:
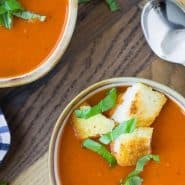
(5, 138)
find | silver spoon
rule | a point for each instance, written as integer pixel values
(163, 24)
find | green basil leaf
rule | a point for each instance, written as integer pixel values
(88, 112)
(3, 183)
(141, 163)
(7, 20)
(2, 10)
(133, 178)
(10, 8)
(113, 5)
(1, 20)
(29, 15)
(104, 105)
(12, 5)
(100, 149)
(109, 101)
(126, 127)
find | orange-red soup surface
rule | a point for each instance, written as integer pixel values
(78, 166)
(28, 43)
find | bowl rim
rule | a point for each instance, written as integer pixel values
(120, 81)
(53, 58)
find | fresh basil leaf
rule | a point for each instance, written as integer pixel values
(3, 183)
(1, 20)
(12, 5)
(10, 8)
(133, 178)
(2, 10)
(126, 127)
(7, 20)
(100, 149)
(83, 1)
(88, 112)
(113, 5)
(104, 105)
(29, 15)
(141, 163)
(109, 101)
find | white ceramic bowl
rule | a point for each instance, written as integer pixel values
(47, 65)
(90, 91)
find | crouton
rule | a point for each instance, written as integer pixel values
(93, 126)
(128, 148)
(141, 102)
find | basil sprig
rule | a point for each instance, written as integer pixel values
(11, 8)
(112, 4)
(29, 16)
(126, 127)
(133, 178)
(100, 149)
(104, 105)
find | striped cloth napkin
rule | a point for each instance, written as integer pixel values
(5, 138)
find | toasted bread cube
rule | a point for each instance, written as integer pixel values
(93, 126)
(141, 102)
(128, 148)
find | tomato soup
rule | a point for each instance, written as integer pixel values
(28, 43)
(78, 166)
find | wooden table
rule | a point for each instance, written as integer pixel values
(104, 45)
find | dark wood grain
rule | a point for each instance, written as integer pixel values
(104, 45)
(170, 74)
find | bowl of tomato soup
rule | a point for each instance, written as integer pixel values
(71, 163)
(30, 49)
